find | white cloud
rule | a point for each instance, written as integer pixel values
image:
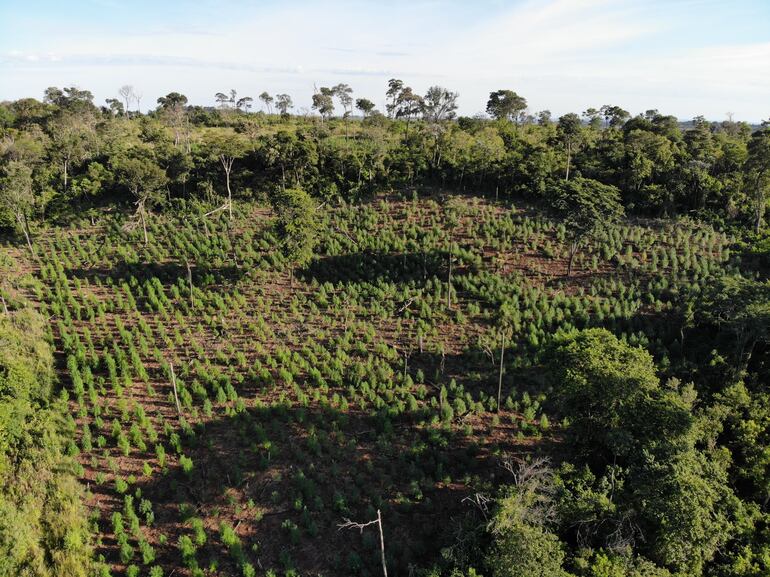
(561, 54)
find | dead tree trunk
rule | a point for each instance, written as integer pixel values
(348, 524)
(173, 384)
(572, 252)
(449, 282)
(189, 281)
(25, 227)
(144, 225)
(500, 376)
(227, 164)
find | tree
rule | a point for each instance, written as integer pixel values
(439, 104)
(603, 386)
(173, 108)
(268, 100)
(639, 441)
(323, 102)
(757, 170)
(283, 103)
(740, 307)
(72, 99)
(145, 180)
(569, 130)
(296, 225)
(343, 93)
(394, 89)
(115, 106)
(586, 206)
(44, 525)
(348, 524)
(222, 99)
(72, 139)
(506, 105)
(593, 118)
(523, 545)
(126, 92)
(244, 104)
(408, 105)
(227, 101)
(226, 148)
(614, 116)
(17, 197)
(365, 106)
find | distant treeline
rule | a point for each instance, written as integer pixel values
(65, 150)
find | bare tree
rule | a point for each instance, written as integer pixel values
(226, 148)
(534, 484)
(502, 368)
(348, 524)
(126, 92)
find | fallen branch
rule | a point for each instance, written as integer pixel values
(406, 305)
(225, 206)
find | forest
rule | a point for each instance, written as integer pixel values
(341, 341)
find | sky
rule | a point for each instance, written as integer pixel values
(682, 57)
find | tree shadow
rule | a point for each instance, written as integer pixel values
(374, 267)
(166, 272)
(285, 477)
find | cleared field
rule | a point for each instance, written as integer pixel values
(231, 414)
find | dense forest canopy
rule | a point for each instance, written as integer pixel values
(359, 341)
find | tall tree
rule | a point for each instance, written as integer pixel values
(126, 92)
(145, 180)
(115, 106)
(343, 93)
(757, 170)
(283, 103)
(439, 104)
(586, 206)
(614, 116)
(641, 444)
(72, 99)
(173, 109)
(17, 197)
(268, 101)
(73, 140)
(365, 106)
(323, 102)
(408, 105)
(739, 307)
(226, 148)
(227, 101)
(506, 105)
(394, 89)
(243, 104)
(296, 225)
(570, 130)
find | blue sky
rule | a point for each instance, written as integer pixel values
(683, 57)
